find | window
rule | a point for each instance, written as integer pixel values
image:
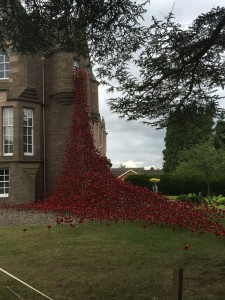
(4, 66)
(4, 182)
(8, 131)
(28, 131)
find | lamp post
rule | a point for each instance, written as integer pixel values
(155, 181)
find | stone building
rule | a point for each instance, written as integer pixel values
(36, 99)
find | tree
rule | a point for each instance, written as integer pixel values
(139, 180)
(219, 133)
(202, 161)
(123, 166)
(184, 135)
(100, 29)
(178, 67)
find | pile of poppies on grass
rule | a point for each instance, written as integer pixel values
(88, 191)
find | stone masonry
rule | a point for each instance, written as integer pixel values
(45, 86)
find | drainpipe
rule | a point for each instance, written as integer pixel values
(43, 124)
(100, 138)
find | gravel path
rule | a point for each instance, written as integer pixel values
(10, 217)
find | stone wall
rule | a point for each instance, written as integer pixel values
(46, 86)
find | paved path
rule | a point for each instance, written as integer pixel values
(10, 217)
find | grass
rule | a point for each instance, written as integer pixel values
(121, 261)
(172, 197)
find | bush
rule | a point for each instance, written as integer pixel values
(213, 199)
(139, 180)
(170, 184)
(188, 197)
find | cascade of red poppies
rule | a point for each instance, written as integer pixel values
(85, 182)
(87, 189)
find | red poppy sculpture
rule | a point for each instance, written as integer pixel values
(87, 189)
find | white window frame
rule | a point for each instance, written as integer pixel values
(8, 131)
(4, 66)
(28, 131)
(4, 182)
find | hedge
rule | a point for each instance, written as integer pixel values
(170, 184)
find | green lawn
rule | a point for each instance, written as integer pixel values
(121, 261)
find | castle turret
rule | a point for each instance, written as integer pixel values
(36, 97)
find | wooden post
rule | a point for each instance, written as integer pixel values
(177, 284)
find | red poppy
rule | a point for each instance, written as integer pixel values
(87, 189)
(186, 247)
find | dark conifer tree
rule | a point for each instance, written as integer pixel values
(195, 128)
(219, 133)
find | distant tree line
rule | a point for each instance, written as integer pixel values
(194, 157)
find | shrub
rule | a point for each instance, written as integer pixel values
(213, 199)
(170, 184)
(139, 180)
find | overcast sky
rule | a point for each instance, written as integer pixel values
(131, 143)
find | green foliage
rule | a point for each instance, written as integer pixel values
(192, 197)
(213, 199)
(122, 166)
(140, 180)
(174, 184)
(202, 161)
(179, 67)
(99, 29)
(219, 133)
(209, 199)
(186, 134)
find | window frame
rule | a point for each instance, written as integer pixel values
(29, 132)
(5, 181)
(5, 64)
(4, 129)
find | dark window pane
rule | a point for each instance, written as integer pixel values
(6, 149)
(30, 123)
